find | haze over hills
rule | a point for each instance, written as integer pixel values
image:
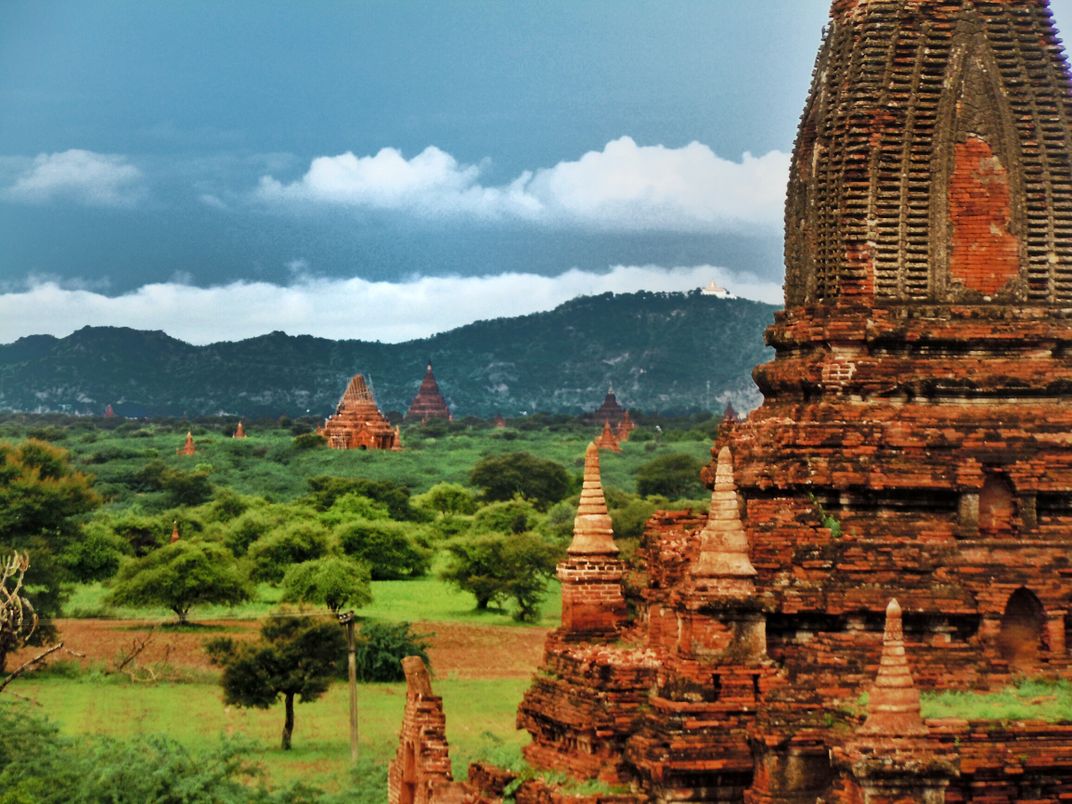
(661, 352)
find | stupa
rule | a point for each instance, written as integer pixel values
(240, 431)
(188, 448)
(896, 517)
(357, 423)
(607, 439)
(109, 411)
(429, 402)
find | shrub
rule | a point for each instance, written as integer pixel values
(514, 516)
(447, 498)
(381, 647)
(324, 491)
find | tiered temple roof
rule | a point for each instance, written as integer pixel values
(429, 402)
(610, 411)
(358, 423)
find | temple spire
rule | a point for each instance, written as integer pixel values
(592, 530)
(893, 707)
(723, 563)
(175, 531)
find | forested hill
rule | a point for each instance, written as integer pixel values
(662, 352)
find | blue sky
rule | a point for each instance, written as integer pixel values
(387, 169)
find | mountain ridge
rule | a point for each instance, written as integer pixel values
(662, 352)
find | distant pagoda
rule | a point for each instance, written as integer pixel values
(610, 412)
(429, 402)
(357, 423)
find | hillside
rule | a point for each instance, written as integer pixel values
(662, 352)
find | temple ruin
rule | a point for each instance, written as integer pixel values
(357, 423)
(188, 447)
(429, 402)
(610, 412)
(897, 515)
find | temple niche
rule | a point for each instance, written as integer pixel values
(896, 517)
(429, 402)
(357, 423)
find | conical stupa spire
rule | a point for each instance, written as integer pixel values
(723, 563)
(592, 530)
(175, 531)
(893, 707)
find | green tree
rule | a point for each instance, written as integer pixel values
(43, 501)
(446, 499)
(381, 647)
(324, 491)
(293, 543)
(294, 657)
(179, 576)
(332, 581)
(386, 547)
(503, 477)
(511, 516)
(495, 567)
(675, 476)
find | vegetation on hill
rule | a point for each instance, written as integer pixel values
(662, 352)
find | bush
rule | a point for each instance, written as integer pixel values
(354, 506)
(675, 476)
(503, 477)
(385, 546)
(515, 516)
(381, 647)
(446, 499)
(324, 491)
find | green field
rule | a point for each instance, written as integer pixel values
(480, 718)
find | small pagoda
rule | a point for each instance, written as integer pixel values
(188, 448)
(429, 402)
(358, 423)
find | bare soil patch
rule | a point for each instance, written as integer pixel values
(459, 650)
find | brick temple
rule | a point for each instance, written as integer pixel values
(358, 423)
(896, 518)
(610, 412)
(429, 402)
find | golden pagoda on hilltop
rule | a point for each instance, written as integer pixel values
(358, 423)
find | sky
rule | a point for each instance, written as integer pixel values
(387, 170)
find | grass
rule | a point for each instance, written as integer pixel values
(1031, 699)
(419, 600)
(479, 713)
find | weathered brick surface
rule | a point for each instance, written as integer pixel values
(357, 423)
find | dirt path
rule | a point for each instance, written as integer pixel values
(465, 651)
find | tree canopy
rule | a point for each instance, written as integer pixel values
(332, 581)
(512, 474)
(675, 476)
(294, 657)
(179, 576)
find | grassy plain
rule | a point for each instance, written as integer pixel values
(480, 719)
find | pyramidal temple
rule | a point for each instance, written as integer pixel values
(357, 422)
(429, 402)
(896, 518)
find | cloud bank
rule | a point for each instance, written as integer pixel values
(340, 308)
(83, 177)
(625, 186)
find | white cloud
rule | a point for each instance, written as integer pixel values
(623, 187)
(390, 312)
(84, 177)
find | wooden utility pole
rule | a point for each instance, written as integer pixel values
(347, 619)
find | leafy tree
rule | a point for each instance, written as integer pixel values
(354, 506)
(179, 576)
(386, 547)
(42, 502)
(333, 581)
(496, 567)
(324, 491)
(381, 648)
(294, 657)
(447, 498)
(289, 544)
(512, 516)
(673, 476)
(503, 477)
